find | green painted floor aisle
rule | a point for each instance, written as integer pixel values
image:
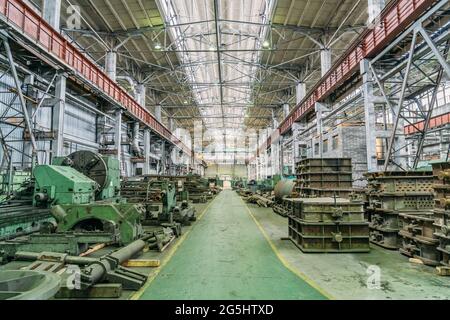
(227, 257)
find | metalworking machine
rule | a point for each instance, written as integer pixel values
(83, 191)
(160, 200)
(19, 217)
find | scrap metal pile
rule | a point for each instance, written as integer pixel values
(159, 197)
(401, 200)
(199, 189)
(265, 200)
(81, 194)
(328, 225)
(53, 274)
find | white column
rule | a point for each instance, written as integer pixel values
(300, 91)
(163, 158)
(285, 110)
(369, 114)
(118, 135)
(51, 12)
(320, 110)
(171, 124)
(374, 8)
(58, 117)
(158, 112)
(31, 92)
(325, 60)
(111, 64)
(147, 144)
(141, 92)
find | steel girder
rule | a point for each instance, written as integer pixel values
(410, 68)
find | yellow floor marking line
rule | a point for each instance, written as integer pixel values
(284, 261)
(174, 249)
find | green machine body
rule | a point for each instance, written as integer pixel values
(62, 185)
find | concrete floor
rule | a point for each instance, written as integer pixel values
(226, 256)
(345, 276)
(236, 252)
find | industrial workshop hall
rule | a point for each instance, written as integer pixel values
(203, 153)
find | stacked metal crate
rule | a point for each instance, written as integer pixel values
(324, 177)
(418, 239)
(328, 225)
(442, 211)
(400, 200)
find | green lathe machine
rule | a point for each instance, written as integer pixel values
(83, 190)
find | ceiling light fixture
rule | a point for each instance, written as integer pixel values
(266, 44)
(158, 46)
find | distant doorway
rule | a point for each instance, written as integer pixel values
(227, 185)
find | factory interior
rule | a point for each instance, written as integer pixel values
(224, 150)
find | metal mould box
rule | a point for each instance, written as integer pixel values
(329, 237)
(402, 184)
(325, 165)
(399, 203)
(329, 192)
(335, 210)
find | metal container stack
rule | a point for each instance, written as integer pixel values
(328, 225)
(400, 200)
(331, 177)
(442, 211)
(418, 239)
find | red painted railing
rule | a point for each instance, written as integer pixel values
(392, 22)
(435, 122)
(26, 21)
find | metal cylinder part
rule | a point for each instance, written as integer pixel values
(58, 213)
(96, 271)
(283, 189)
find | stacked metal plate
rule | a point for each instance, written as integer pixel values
(442, 211)
(324, 177)
(328, 225)
(418, 239)
(391, 194)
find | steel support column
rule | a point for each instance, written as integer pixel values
(300, 92)
(147, 150)
(111, 64)
(51, 12)
(374, 8)
(118, 136)
(321, 109)
(141, 94)
(370, 117)
(158, 112)
(24, 111)
(325, 60)
(58, 116)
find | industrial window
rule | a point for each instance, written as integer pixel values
(316, 149)
(335, 143)
(441, 98)
(380, 149)
(325, 145)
